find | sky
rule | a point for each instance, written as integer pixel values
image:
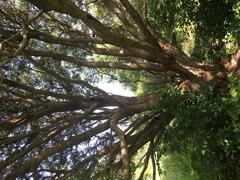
(115, 88)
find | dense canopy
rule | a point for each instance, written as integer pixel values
(181, 58)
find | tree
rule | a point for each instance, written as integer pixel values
(54, 121)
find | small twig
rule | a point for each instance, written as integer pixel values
(145, 2)
(153, 165)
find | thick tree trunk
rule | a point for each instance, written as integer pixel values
(137, 48)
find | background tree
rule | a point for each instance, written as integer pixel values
(55, 123)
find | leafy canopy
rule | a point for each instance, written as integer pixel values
(179, 57)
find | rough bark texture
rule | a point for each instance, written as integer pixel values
(137, 48)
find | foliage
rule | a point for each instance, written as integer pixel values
(56, 123)
(205, 129)
(205, 20)
(177, 166)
